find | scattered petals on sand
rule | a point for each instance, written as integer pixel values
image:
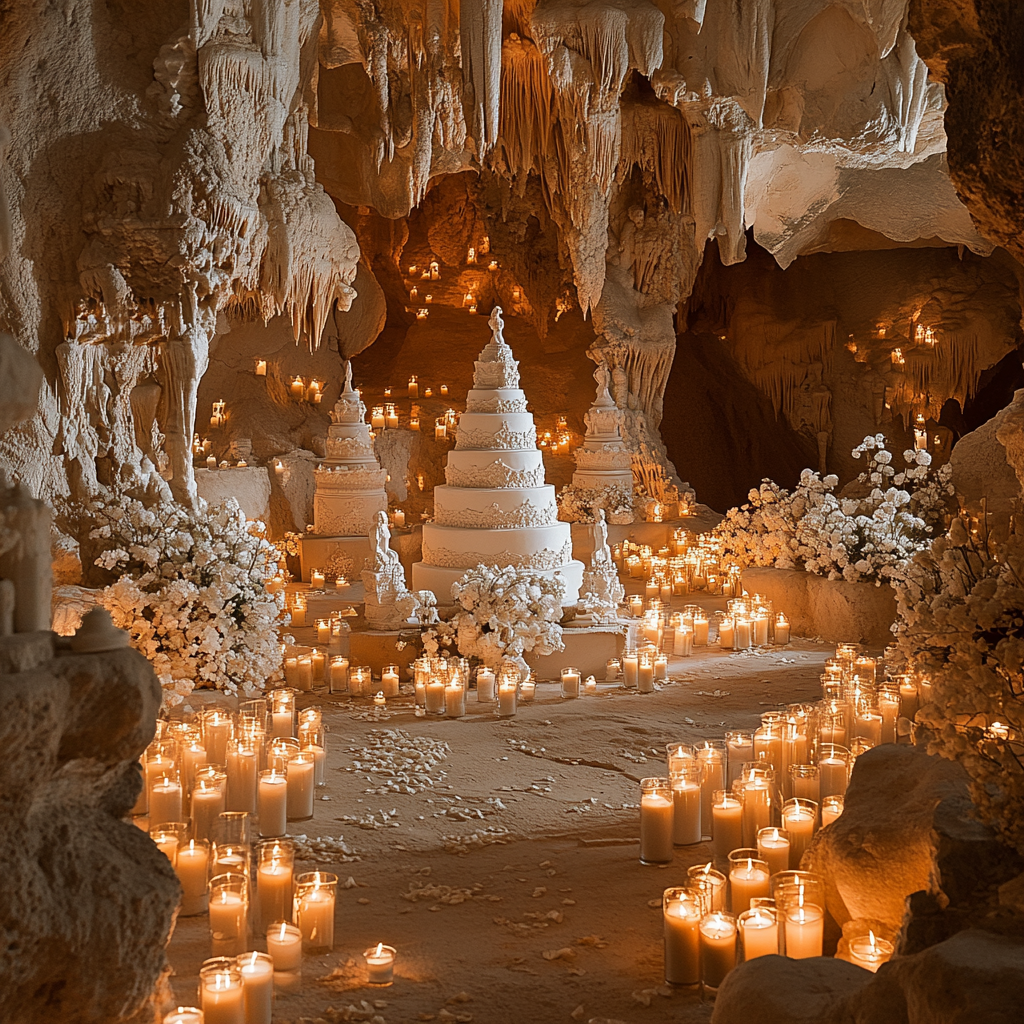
(565, 953)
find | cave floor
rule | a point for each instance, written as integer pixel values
(556, 865)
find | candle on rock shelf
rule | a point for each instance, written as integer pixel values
(314, 909)
(681, 914)
(759, 932)
(380, 964)
(399, 518)
(656, 821)
(870, 952)
(257, 970)
(261, 367)
(717, 947)
(414, 387)
(211, 461)
(220, 992)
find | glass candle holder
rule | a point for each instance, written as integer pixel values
(486, 685)
(726, 823)
(284, 944)
(570, 677)
(337, 674)
(686, 802)
(315, 893)
(645, 672)
(656, 821)
(773, 847)
(257, 970)
(508, 697)
(758, 932)
(301, 783)
(272, 802)
(165, 797)
(630, 669)
(527, 690)
(679, 755)
(184, 1015)
(717, 948)
(749, 877)
(389, 679)
(805, 781)
(208, 799)
(834, 763)
(274, 876)
(192, 867)
(380, 964)
(831, 808)
(282, 712)
(739, 749)
(242, 773)
(220, 993)
(804, 929)
(455, 698)
(870, 952)
(169, 836)
(710, 882)
(681, 910)
(435, 697)
(800, 820)
(755, 790)
(229, 914)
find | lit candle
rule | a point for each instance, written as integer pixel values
(274, 882)
(318, 661)
(759, 933)
(611, 670)
(298, 612)
(184, 1015)
(192, 867)
(440, 430)
(590, 686)
(834, 769)
(781, 630)
(220, 991)
(399, 518)
(700, 630)
(870, 952)
(297, 388)
(338, 680)
(317, 579)
(717, 947)
(305, 676)
(229, 912)
(726, 633)
(727, 823)
(740, 749)
(630, 669)
(211, 461)
(455, 699)
(284, 944)
(686, 818)
(645, 674)
(485, 690)
(711, 883)
(261, 367)
(389, 681)
(164, 800)
(435, 697)
(207, 804)
(748, 879)
(831, 808)
(380, 964)
(272, 803)
(257, 970)
(507, 698)
(323, 631)
(656, 821)
(414, 388)
(757, 808)
(242, 765)
(681, 913)
(300, 786)
(773, 847)
(661, 667)
(760, 628)
(804, 929)
(314, 909)
(570, 682)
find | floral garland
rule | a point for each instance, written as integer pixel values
(502, 615)
(191, 591)
(961, 624)
(869, 537)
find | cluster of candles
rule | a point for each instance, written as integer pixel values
(266, 759)
(302, 391)
(688, 563)
(441, 684)
(750, 621)
(357, 680)
(318, 581)
(414, 389)
(383, 417)
(298, 608)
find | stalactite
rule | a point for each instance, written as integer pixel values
(480, 33)
(656, 139)
(527, 108)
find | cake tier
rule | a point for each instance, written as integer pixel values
(603, 458)
(601, 479)
(494, 508)
(347, 479)
(471, 468)
(346, 515)
(439, 579)
(350, 443)
(497, 431)
(460, 547)
(496, 400)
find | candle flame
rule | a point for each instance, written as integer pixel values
(380, 949)
(871, 938)
(284, 931)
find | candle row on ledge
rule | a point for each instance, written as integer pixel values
(688, 563)
(297, 606)
(301, 390)
(414, 389)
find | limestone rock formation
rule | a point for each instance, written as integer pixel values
(900, 805)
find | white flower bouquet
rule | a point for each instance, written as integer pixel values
(191, 591)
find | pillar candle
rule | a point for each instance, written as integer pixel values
(661, 668)
(782, 630)
(740, 749)
(435, 697)
(799, 819)
(281, 724)
(683, 642)
(485, 684)
(257, 970)
(656, 823)
(389, 681)
(338, 680)
(207, 803)
(712, 777)
(164, 801)
(221, 995)
(717, 948)
(291, 671)
(318, 661)
(314, 912)
(681, 916)
(228, 922)
(831, 808)
(184, 1015)
(319, 762)
(889, 708)
(804, 929)
(305, 678)
(833, 776)
(748, 879)
(726, 632)
(272, 803)
(192, 867)
(760, 629)
(242, 773)
(909, 698)
(773, 847)
(700, 631)
(630, 669)
(759, 933)
(756, 808)
(274, 891)
(507, 700)
(713, 884)
(570, 682)
(284, 944)
(727, 824)
(645, 675)
(454, 700)
(686, 811)
(300, 786)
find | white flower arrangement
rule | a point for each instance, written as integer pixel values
(580, 504)
(961, 624)
(503, 614)
(857, 539)
(191, 592)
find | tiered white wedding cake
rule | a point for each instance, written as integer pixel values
(349, 482)
(495, 508)
(603, 462)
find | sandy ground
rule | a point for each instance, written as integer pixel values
(552, 797)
